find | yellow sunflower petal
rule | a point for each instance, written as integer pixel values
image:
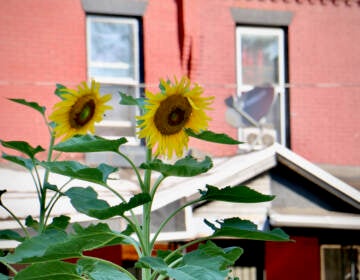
(169, 113)
(79, 110)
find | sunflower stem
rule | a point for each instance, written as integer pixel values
(164, 223)
(146, 272)
(134, 168)
(12, 269)
(42, 218)
(16, 219)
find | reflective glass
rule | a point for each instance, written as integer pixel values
(111, 49)
(259, 55)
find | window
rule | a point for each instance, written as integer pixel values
(340, 262)
(113, 60)
(260, 78)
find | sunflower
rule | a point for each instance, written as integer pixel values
(170, 112)
(79, 110)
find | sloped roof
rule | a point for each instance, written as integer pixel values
(247, 168)
(22, 199)
(238, 169)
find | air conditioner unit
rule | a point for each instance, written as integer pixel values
(258, 138)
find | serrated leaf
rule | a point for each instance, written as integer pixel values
(185, 167)
(209, 254)
(33, 105)
(126, 99)
(89, 143)
(239, 194)
(208, 259)
(59, 91)
(85, 201)
(79, 171)
(30, 222)
(210, 136)
(54, 244)
(239, 228)
(24, 162)
(100, 271)
(8, 234)
(35, 248)
(23, 147)
(55, 270)
(156, 263)
(60, 223)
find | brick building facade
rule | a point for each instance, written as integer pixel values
(45, 42)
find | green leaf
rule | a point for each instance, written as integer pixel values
(164, 253)
(59, 91)
(162, 88)
(52, 187)
(30, 222)
(98, 270)
(79, 171)
(210, 136)
(209, 254)
(11, 235)
(60, 223)
(96, 236)
(23, 147)
(33, 249)
(240, 194)
(24, 162)
(85, 201)
(89, 143)
(236, 227)
(208, 259)
(55, 270)
(185, 167)
(129, 100)
(32, 105)
(54, 244)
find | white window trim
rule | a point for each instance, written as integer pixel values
(280, 87)
(135, 82)
(135, 29)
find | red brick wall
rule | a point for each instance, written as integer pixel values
(41, 43)
(214, 63)
(323, 39)
(325, 121)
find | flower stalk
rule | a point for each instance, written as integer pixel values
(168, 119)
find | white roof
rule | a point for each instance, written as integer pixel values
(22, 199)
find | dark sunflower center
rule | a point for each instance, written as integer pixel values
(82, 112)
(172, 114)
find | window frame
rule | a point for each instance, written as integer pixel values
(120, 81)
(280, 86)
(339, 247)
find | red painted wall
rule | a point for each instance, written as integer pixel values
(296, 261)
(43, 42)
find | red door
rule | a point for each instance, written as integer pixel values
(299, 260)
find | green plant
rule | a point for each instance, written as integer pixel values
(55, 240)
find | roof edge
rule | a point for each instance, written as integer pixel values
(318, 175)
